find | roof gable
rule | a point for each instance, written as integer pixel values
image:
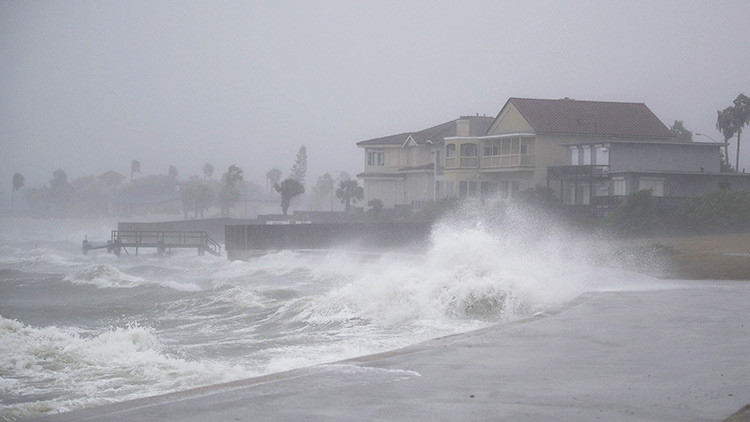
(478, 126)
(568, 116)
(509, 120)
(409, 142)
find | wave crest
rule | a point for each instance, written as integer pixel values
(118, 364)
(103, 276)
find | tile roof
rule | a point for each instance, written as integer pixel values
(568, 116)
(478, 126)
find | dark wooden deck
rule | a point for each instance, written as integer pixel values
(163, 241)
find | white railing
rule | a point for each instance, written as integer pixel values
(513, 160)
(462, 162)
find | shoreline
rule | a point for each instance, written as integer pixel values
(589, 358)
(698, 257)
(291, 374)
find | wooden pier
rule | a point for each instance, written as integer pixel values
(163, 241)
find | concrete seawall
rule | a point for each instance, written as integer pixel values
(246, 240)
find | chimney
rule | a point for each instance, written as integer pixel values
(463, 124)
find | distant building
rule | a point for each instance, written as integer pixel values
(111, 178)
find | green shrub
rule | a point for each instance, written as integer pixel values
(636, 216)
(719, 211)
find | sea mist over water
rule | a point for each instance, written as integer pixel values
(79, 330)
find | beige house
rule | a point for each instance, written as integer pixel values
(528, 135)
(406, 170)
(483, 156)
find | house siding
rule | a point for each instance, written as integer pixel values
(389, 191)
(662, 157)
(510, 120)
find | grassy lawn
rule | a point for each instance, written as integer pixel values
(725, 256)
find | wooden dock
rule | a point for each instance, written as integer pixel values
(163, 241)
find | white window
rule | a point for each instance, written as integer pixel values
(586, 155)
(602, 189)
(618, 186)
(527, 146)
(450, 150)
(468, 150)
(656, 184)
(574, 156)
(375, 157)
(583, 192)
(602, 155)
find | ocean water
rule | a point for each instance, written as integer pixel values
(84, 330)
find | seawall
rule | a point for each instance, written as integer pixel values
(243, 241)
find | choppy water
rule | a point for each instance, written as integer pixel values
(78, 331)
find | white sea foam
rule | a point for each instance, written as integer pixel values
(104, 276)
(108, 276)
(35, 259)
(475, 271)
(117, 364)
(283, 310)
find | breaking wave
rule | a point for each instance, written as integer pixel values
(117, 364)
(107, 276)
(218, 320)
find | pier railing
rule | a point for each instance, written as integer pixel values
(163, 241)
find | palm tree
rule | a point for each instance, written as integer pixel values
(135, 167)
(18, 182)
(273, 175)
(208, 170)
(732, 119)
(349, 191)
(228, 193)
(288, 189)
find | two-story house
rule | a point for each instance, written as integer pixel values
(582, 150)
(406, 169)
(526, 137)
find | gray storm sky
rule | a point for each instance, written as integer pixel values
(89, 86)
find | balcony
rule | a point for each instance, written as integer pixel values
(513, 160)
(462, 162)
(489, 162)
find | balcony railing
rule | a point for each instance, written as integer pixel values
(514, 160)
(462, 162)
(495, 161)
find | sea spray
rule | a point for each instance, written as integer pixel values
(96, 329)
(77, 368)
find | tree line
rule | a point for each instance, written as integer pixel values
(106, 194)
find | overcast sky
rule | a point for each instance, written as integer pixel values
(90, 86)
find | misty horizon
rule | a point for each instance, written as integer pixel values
(90, 87)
